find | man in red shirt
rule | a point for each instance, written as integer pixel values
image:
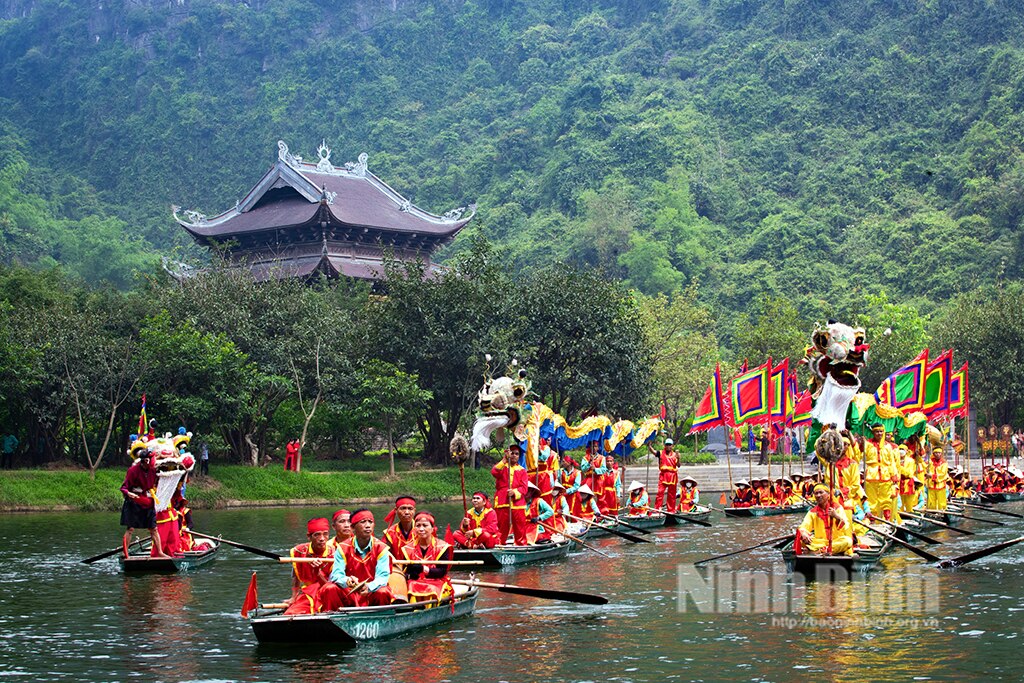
(479, 527)
(510, 482)
(137, 511)
(309, 577)
(400, 533)
(668, 476)
(362, 568)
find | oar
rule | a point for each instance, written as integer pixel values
(618, 520)
(977, 554)
(991, 509)
(575, 538)
(310, 560)
(240, 546)
(909, 546)
(908, 530)
(545, 593)
(616, 532)
(786, 538)
(675, 515)
(965, 532)
(118, 549)
(973, 519)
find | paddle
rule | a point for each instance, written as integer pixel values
(788, 537)
(973, 519)
(965, 532)
(908, 530)
(240, 546)
(615, 532)
(618, 520)
(576, 539)
(674, 515)
(977, 554)
(545, 593)
(118, 549)
(991, 509)
(909, 546)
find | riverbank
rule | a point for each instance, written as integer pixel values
(235, 486)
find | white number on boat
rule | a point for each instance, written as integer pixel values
(366, 630)
(507, 559)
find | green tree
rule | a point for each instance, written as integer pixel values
(907, 336)
(389, 400)
(774, 329)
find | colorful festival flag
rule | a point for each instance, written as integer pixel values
(802, 409)
(904, 389)
(936, 385)
(710, 412)
(959, 398)
(143, 422)
(780, 385)
(750, 400)
(251, 601)
(791, 394)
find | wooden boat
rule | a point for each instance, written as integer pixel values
(140, 562)
(598, 530)
(701, 513)
(836, 567)
(351, 625)
(766, 510)
(513, 555)
(948, 520)
(1002, 497)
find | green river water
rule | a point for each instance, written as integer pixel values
(61, 620)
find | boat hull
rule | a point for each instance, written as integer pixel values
(639, 521)
(142, 563)
(350, 626)
(514, 555)
(766, 511)
(1005, 497)
(834, 567)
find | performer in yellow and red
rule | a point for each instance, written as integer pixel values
(309, 577)
(399, 532)
(342, 523)
(537, 511)
(426, 580)
(560, 506)
(479, 527)
(510, 483)
(937, 478)
(588, 510)
(570, 478)
(689, 494)
(879, 473)
(547, 465)
(668, 476)
(825, 527)
(639, 501)
(138, 489)
(609, 503)
(362, 567)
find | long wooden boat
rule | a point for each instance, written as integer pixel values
(766, 510)
(701, 513)
(836, 567)
(948, 520)
(139, 562)
(351, 625)
(639, 521)
(1002, 497)
(514, 555)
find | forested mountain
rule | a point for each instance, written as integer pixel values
(815, 149)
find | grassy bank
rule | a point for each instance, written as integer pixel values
(45, 489)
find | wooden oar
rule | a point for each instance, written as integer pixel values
(118, 549)
(545, 593)
(618, 520)
(973, 519)
(909, 546)
(310, 560)
(992, 509)
(576, 539)
(977, 554)
(616, 532)
(908, 530)
(965, 532)
(676, 515)
(241, 546)
(786, 538)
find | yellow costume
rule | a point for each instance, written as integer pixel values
(936, 478)
(880, 473)
(815, 524)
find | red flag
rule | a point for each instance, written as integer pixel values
(798, 544)
(449, 537)
(721, 499)
(663, 411)
(250, 602)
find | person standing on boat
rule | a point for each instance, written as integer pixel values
(937, 478)
(479, 528)
(907, 470)
(427, 581)
(309, 577)
(639, 501)
(510, 483)
(138, 510)
(362, 568)
(544, 475)
(743, 497)
(570, 478)
(400, 533)
(609, 502)
(668, 476)
(689, 494)
(342, 523)
(878, 472)
(825, 529)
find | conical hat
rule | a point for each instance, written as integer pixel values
(585, 490)
(634, 485)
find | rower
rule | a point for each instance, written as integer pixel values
(689, 494)
(399, 533)
(668, 476)
(362, 567)
(763, 493)
(744, 495)
(609, 502)
(560, 506)
(879, 473)
(309, 577)
(638, 500)
(789, 496)
(544, 476)
(510, 482)
(342, 523)
(825, 522)
(537, 511)
(138, 489)
(479, 527)
(588, 505)
(427, 581)
(570, 478)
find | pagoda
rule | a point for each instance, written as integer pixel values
(303, 219)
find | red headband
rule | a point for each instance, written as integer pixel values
(403, 500)
(427, 515)
(339, 513)
(318, 524)
(361, 516)
(482, 495)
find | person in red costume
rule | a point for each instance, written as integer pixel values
(510, 483)
(342, 523)
(689, 495)
(291, 456)
(479, 528)
(668, 476)
(744, 496)
(308, 578)
(544, 476)
(427, 581)
(137, 510)
(399, 532)
(362, 567)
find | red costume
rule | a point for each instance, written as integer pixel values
(486, 521)
(687, 498)
(668, 480)
(744, 498)
(308, 580)
(291, 455)
(428, 581)
(396, 539)
(510, 501)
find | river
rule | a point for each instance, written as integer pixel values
(61, 620)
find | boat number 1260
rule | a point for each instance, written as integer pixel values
(366, 630)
